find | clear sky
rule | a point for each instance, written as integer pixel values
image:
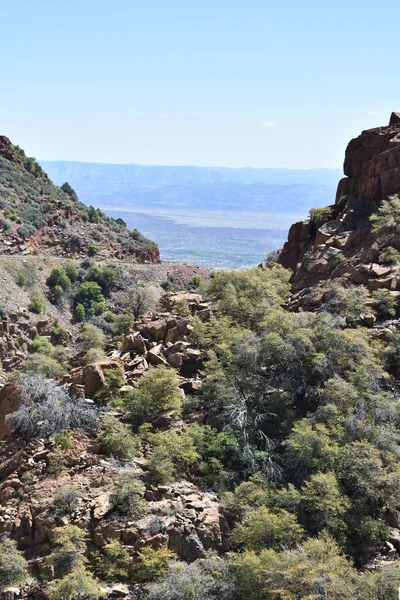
(203, 82)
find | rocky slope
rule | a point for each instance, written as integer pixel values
(38, 217)
(342, 249)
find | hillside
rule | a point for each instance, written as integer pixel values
(37, 216)
(171, 434)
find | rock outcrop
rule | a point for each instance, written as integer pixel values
(343, 249)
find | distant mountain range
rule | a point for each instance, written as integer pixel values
(83, 174)
(208, 215)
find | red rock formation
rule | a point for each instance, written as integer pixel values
(344, 248)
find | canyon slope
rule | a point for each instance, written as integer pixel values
(336, 245)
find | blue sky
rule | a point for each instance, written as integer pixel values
(227, 83)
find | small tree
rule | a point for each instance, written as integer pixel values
(157, 393)
(13, 566)
(91, 337)
(116, 439)
(79, 313)
(127, 497)
(386, 222)
(79, 584)
(264, 529)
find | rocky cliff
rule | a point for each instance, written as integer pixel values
(337, 245)
(38, 217)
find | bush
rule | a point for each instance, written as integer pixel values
(58, 277)
(157, 393)
(47, 409)
(204, 579)
(152, 564)
(43, 365)
(349, 302)
(111, 563)
(70, 545)
(67, 499)
(87, 293)
(36, 304)
(91, 337)
(173, 455)
(264, 529)
(127, 497)
(42, 345)
(385, 303)
(79, 583)
(390, 256)
(79, 313)
(109, 393)
(92, 250)
(181, 308)
(116, 439)
(320, 216)
(386, 223)
(63, 440)
(13, 566)
(21, 280)
(71, 271)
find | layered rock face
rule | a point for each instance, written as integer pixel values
(344, 247)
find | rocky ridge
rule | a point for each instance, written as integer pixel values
(343, 249)
(38, 217)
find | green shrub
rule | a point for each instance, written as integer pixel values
(173, 455)
(71, 271)
(320, 216)
(109, 392)
(385, 303)
(58, 277)
(63, 440)
(87, 293)
(111, 562)
(67, 499)
(79, 313)
(157, 393)
(43, 365)
(79, 583)
(36, 303)
(42, 345)
(91, 337)
(116, 439)
(390, 256)
(152, 564)
(386, 223)
(92, 250)
(127, 497)
(13, 566)
(21, 280)
(181, 308)
(264, 529)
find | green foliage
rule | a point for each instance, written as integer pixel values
(127, 497)
(69, 544)
(181, 308)
(21, 280)
(13, 566)
(59, 277)
(246, 296)
(109, 392)
(91, 337)
(79, 583)
(152, 564)
(116, 438)
(390, 256)
(42, 345)
(349, 302)
(111, 562)
(79, 313)
(316, 570)
(67, 499)
(385, 303)
(71, 271)
(386, 223)
(320, 216)
(156, 394)
(87, 293)
(67, 189)
(262, 528)
(63, 440)
(92, 250)
(43, 365)
(172, 456)
(36, 303)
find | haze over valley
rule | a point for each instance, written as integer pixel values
(214, 217)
